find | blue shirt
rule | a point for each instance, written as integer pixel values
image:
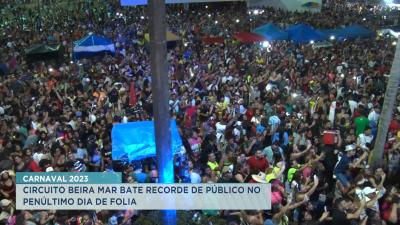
(343, 164)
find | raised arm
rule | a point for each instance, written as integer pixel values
(357, 213)
(360, 160)
(314, 187)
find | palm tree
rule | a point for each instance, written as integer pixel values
(387, 110)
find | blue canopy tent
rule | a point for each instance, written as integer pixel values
(136, 140)
(92, 45)
(350, 32)
(270, 32)
(302, 33)
(356, 31)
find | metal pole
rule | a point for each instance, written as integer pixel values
(387, 110)
(160, 92)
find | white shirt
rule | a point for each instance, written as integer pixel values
(353, 105)
(37, 156)
(220, 129)
(195, 178)
(255, 120)
(363, 140)
(373, 116)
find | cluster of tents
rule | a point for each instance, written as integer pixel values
(298, 34)
(92, 45)
(88, 46)
(303, 33)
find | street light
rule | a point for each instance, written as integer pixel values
(312, 42)
(237, 20)
(332, 37)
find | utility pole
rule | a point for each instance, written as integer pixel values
(160, 92)
(387, 110)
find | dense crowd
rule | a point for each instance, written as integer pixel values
(299, 117)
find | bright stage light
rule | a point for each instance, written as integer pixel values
(266, 44)
(312, 42)
(332, 37)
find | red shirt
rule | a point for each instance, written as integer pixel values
(257, 165)
(356, 114)
(386, 210)
(33, 167)
(394, 126)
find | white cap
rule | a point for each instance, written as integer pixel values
(350, 148)
(50, 169)
(5, 203)
(92, 118)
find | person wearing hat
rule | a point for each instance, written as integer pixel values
(343, 165)
(7, 209)
(226, 175)
(340, 213)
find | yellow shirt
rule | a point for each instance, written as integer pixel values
(272, 175)
(213, 165)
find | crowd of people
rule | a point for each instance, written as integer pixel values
(300, 117)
